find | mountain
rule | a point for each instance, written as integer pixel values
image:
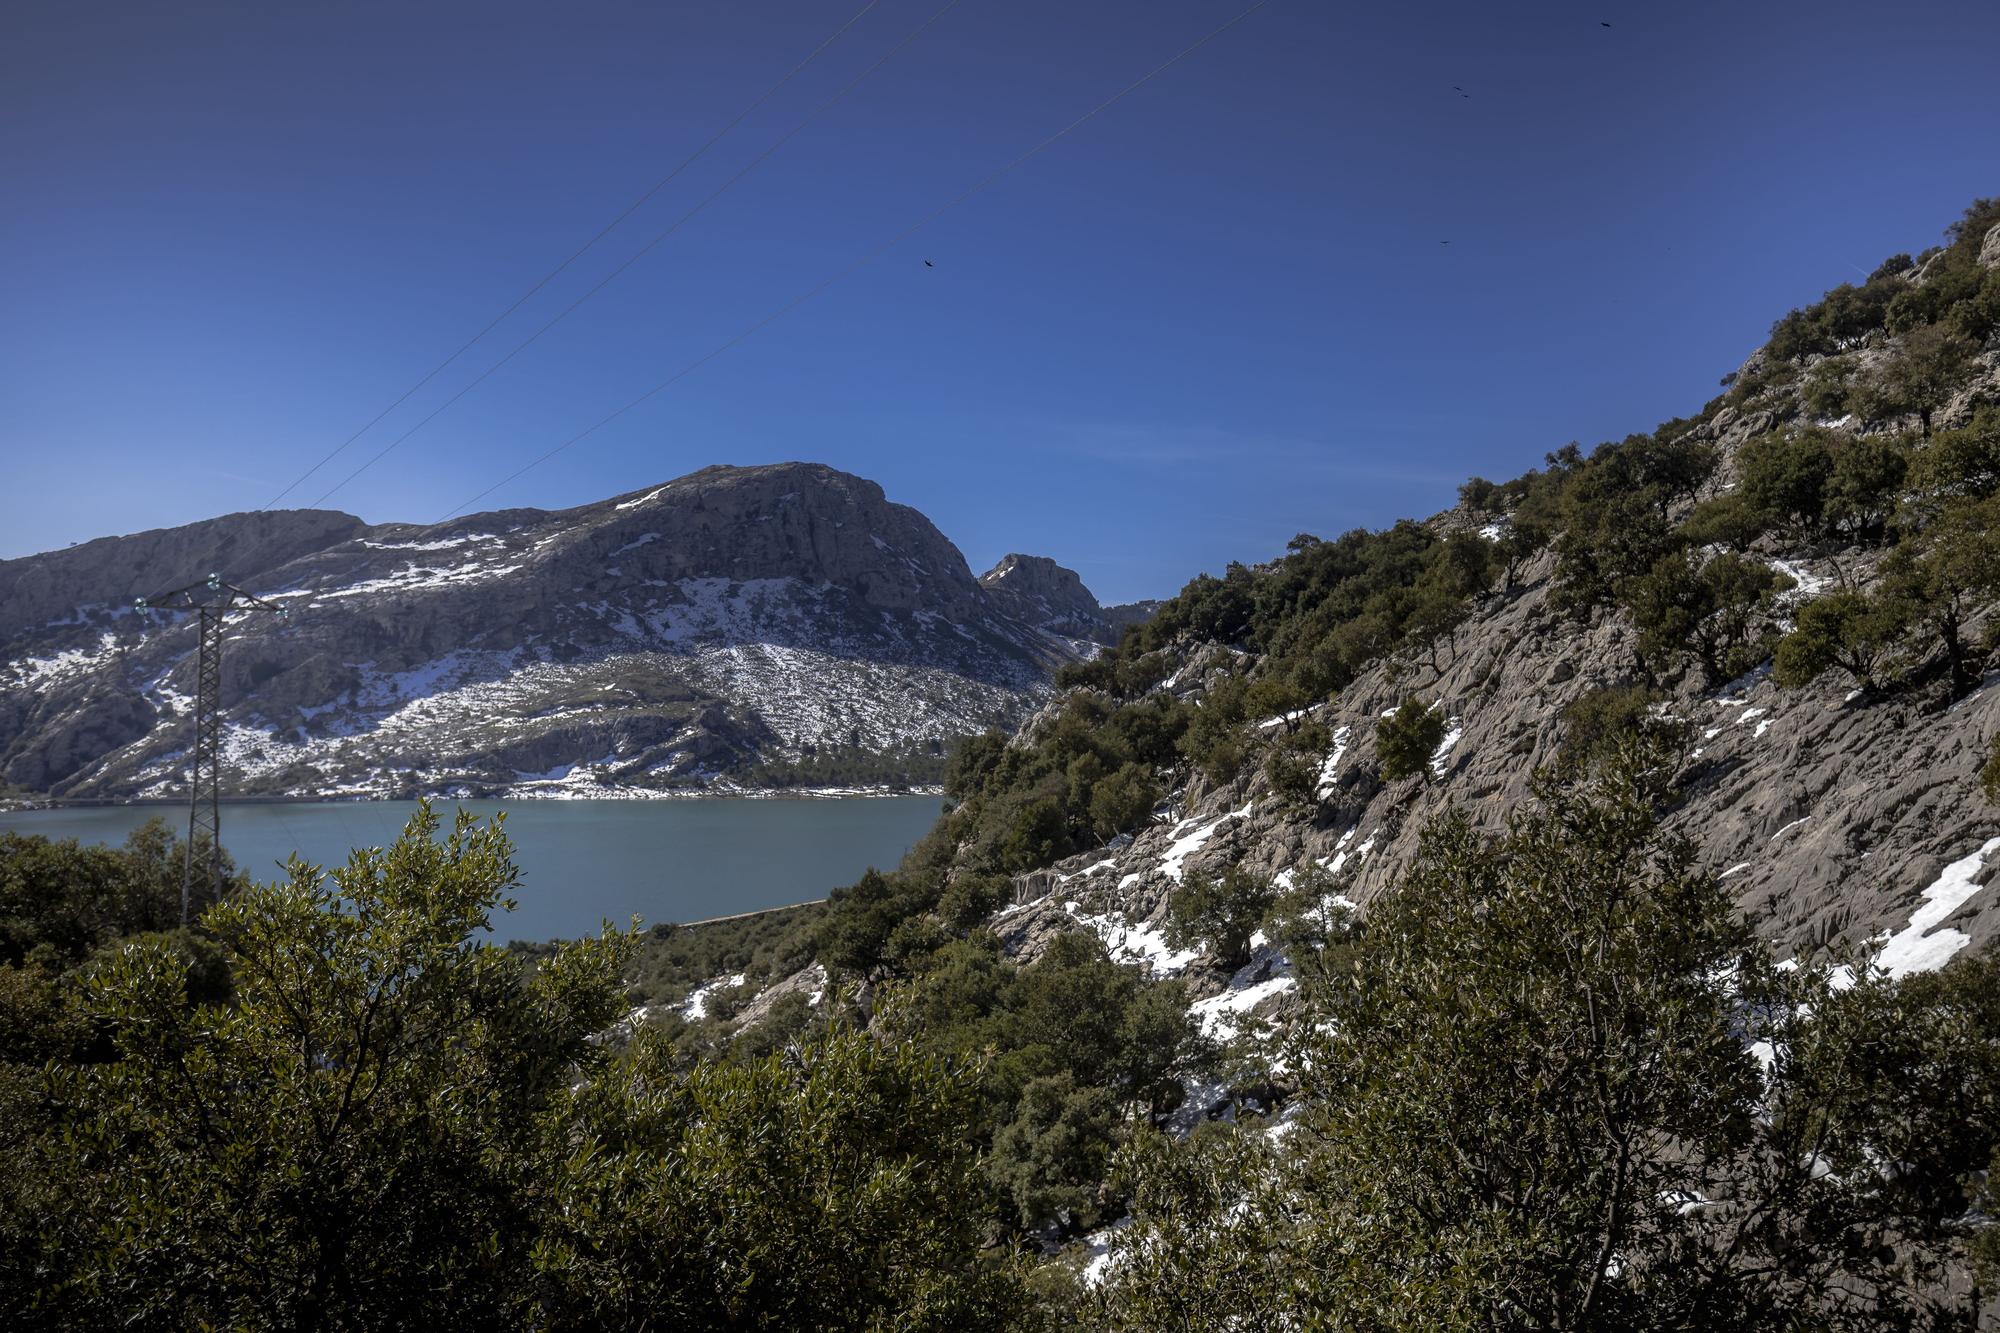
(751, 626)
(1836, 505)
(1791, 597)
(1035, 589)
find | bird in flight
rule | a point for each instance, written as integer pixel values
(1603, 24)
(929, 264)
(1460, 91)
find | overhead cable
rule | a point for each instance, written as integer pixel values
(579, 252)
(869, 257)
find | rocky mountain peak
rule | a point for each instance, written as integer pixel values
(802, 521)
(1036, 589)
(779, 623)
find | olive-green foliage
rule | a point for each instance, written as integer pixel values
(853, 935)
(1816, 483)
(827, 1187)
(1049, 1161)
(1940, 578)
(1529, 1104)
(1481, 496)
(1600, 724)
(66, 899)
(1943, 570)
(1828, 388)
(1294, 762)
(1957, 291)
(1313, 923)
(1406, 739)
(1926, 370)
(1614, 512)
(1209, 1251)
(345, 1142)
(1111, 1040)
(1850, 630)
(669, 960)
(383, 1123)
(1956, 465)
(1784, 475)
(843, 765)
(1726, 520)
(1219, 914)
(1714, 613)
(1841, 318)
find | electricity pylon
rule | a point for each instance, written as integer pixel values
(212, 601)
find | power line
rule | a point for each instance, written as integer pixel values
(647, 248)
(579, 252)
(865, 259)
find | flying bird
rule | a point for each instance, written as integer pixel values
(1603, 24)
(929, 264)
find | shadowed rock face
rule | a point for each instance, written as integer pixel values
(670, 636)
(1036, 589)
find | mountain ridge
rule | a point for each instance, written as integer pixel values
(735, 626)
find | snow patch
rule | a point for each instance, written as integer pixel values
(1919, 948)
(695, 1006)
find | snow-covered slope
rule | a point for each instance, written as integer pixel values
(678, 636)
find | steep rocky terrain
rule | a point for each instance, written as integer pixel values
(1837, 814)
(730, 625)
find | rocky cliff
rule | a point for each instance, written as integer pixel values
(1837, 815)
(728, 624)
(1036, 589)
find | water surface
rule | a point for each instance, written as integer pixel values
(581, 861)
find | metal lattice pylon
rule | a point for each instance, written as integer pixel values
(205, 771)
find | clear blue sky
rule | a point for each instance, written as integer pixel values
(1217, 315)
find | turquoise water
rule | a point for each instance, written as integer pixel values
(581, 861)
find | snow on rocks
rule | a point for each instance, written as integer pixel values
(1267, 974)
(1441, 757)
(1190, 837)
(1145, 945)
(1918, 947)
(695, 1006)
(1110, 863)
(1097, 1251)
(1807, 819)
(1331, 767)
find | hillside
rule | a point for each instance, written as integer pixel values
(763, 626)
(1786, 600)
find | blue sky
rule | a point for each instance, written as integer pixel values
(1214, 316)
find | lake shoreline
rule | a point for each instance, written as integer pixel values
(580, 862)
(524, 792)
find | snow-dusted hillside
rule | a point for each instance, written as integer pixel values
(668, 639)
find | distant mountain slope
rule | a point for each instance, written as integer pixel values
(753, 624)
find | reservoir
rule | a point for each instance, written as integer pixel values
(581, 861)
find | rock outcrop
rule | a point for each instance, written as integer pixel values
(731, 620)
(1035, 589)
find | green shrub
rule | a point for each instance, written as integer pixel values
(1714, 613)
(1850, 630)
(1406, 739)
(1931, 366)
(1726, 520)
(1220, 914)
(1784, 475)
(1601, 724)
